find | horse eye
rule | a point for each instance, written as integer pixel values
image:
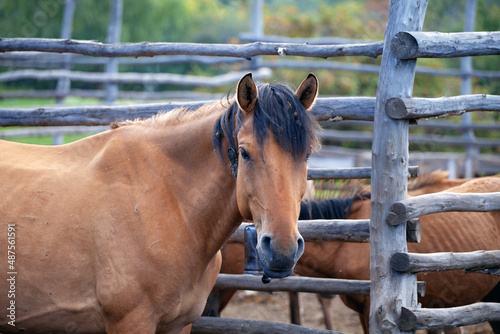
(308, 155)
(244, 154)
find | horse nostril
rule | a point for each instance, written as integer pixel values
(265, 243)
(300, 245)
(300, 248)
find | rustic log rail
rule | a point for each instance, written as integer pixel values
(293, 284)
(367, 137)
(412, 45)
(28, 59)
(347, 230)
(416, 263)
(51, 60)
(215, 325)
(136, 78)
(324, 109)
(415, 207)
(299, 284)
(413, 108)
(412, 319)
(146, 49)
(348, 173)
(101, 94)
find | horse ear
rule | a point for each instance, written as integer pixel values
(308, 90)
(246, 93)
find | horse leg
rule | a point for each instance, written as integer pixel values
(326, 307)
(294, 307)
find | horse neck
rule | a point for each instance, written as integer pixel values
(199, 186)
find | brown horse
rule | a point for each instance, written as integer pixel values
(119, 233)
(443, 232)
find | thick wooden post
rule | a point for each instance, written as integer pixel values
(391, 290)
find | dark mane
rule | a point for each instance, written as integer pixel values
(277, 109)
(335, 208)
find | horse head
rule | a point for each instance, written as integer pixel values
(274, 135)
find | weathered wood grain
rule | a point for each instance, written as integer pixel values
(391, 289)
(294, 284)
(323, 109)
(135, 78)
(299, 284)
(412, 319)
(146, 49)
(216, 325)
(414, 207)
(348, 173)
(414, 108)
(347, 230)
(417, 44)
(416, 263)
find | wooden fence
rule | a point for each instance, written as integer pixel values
(392, 269)
(61, 65)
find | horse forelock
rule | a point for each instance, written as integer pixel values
(277, 111)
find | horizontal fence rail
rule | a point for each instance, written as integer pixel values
(416, 262)
(410, 45)
(415, 207)
(375, 69)
(412, 319)
(293, 284)
(367, 137)
(325, 109)
(347, 230)
(335, 108)
(136, 78)
(299, 284)
(28, 59)
(101, 94)
(47, 60)
(349, 173)
(146, 49)
(52, 131)
(215, 325)
(412, 108)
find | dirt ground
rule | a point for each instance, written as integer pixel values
(274, 307)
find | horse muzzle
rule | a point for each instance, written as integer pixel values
(279, 262)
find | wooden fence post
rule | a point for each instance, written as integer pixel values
(466, 89)
(257, 28)
(391, 290)
(114, 32)
(64, 84)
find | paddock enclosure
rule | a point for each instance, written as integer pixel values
(393, 287)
